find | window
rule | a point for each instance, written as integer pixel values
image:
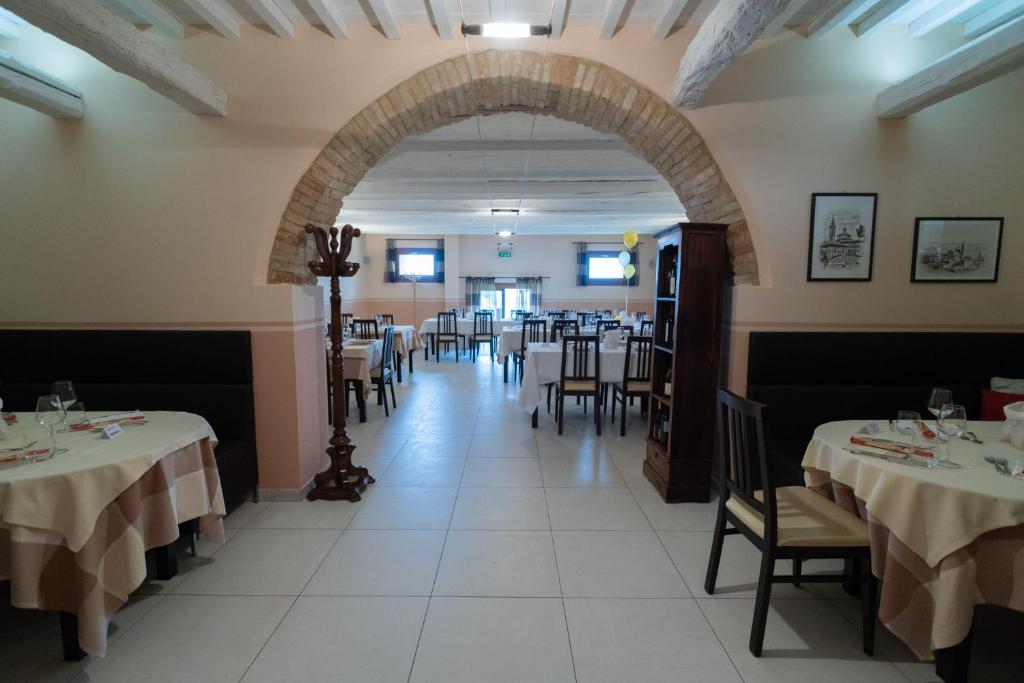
(603, 268)
(421, 262)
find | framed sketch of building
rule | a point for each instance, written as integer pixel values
(842, 241)
(956, 249)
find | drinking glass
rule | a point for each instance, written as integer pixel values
(50, 413)
(906, 424)
(939, 398)
(952, 423)
(75, 413)
(66, 392)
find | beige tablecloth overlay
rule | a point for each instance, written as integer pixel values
(93, 580)
(66, 494)
(933, 511)
(360, 358)
(407, 340)
(968, 519)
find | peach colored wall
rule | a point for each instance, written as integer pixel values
(142, 214)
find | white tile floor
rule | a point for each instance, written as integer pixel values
(487, 551)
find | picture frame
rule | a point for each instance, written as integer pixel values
(841, 246)
(956, 249)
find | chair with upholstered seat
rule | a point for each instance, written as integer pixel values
(365, 328)
(387, 318)
(603, 325)
(636, 378)
(581, 376)
(562, 327)
(382, 376)
(447, 333)
(646, 328)
(791, 522)
(483, 333)
(534, 331)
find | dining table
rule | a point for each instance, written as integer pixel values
(361, 356)
(943, 539)
(428, 329)
(543, 366)
(76, 530)
(407, 340)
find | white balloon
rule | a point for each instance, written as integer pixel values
(624, 258)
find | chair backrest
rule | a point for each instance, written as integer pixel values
(581, 348)
(483, 324)
(640, 315)
(518, 314)
(559, 328)
(365, 328)
(638, 360)
(387, 318)
(646, 328)
(605, 325)
(386, 350)
(346, 318)
(584, 318)
(460, 312)
(533, 331)
(743, 455)
(447, 324)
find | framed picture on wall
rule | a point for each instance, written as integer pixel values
(956, 249)
(842, 240)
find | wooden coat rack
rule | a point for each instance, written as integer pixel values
(341, 480)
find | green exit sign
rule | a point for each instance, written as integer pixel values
(504, 253)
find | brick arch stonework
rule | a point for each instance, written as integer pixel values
(570, 88)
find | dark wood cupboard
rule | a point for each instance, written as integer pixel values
(689, 302)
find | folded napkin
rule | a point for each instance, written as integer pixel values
(611, 339)
(104, 420)
(891, 446)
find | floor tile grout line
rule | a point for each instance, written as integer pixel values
(854, 625)
(719, 639)
(437, 571)
(561, 591)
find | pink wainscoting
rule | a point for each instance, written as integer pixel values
(311, 390)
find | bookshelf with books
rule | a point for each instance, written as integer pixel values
(691, 271)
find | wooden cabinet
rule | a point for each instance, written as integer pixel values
(689, 302)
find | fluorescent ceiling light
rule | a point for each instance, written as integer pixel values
(505, 30)
(504, 212)
(505, 233)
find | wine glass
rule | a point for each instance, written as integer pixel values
(66, 392)
(952, 424)
(75, 413)
(50, 413)
(906, 424)
(939, 398)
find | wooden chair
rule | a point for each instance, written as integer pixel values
(534, 331)
(520, 315)
(636, 378)
(447, 333)
(387, 318)
(791, 522)
(346, 318)
(581, 377)
(605, 325)
(646, 328)
(365, 328)
(483, 333)
(585, 319)
(383, 375)
(559, 329)
(461, 312)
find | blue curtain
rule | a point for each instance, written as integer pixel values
(391, 254)
(581, 264)
(439, 261)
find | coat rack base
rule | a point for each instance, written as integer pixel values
(339, 482)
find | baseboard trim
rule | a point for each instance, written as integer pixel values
(285, 495)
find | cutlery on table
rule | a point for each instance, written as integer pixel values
(18, 448)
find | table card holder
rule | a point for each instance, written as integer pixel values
(341, 480)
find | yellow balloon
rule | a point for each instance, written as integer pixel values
(630, 238)
(629, 271)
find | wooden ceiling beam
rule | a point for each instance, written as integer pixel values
(330, 14)
(222, 18)
(937, 16)
(1001, 13)
(94, 29)
(442, 19)
(977, 62)
(157, 16)
(669, 15)
(726, 33)
(274, 17)
(558, 11)
(613, 12)
(386, 18)
(837, 14)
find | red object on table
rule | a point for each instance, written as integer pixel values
(926, 432)
(993, 402)
(890, 446)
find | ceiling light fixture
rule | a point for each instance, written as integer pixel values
(505, 30)
(504, 212)
(505, 233)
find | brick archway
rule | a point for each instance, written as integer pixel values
(564, 86)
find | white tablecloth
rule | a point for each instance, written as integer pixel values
(407, 340)
(65, 495)
(465, 325)
(544, 365)
(934, 512)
